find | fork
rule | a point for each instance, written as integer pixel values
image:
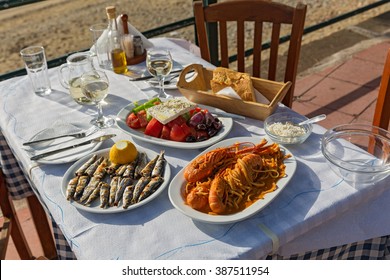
(167, 80)
(81, 134)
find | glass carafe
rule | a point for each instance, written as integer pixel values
(70, 75)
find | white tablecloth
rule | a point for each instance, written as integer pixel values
(316, 209)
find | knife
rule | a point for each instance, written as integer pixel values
(150, 77)
(95, 140)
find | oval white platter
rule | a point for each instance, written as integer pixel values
(227, 124)
(178, 183)
(95, 206)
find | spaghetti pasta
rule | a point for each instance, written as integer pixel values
(237, 176)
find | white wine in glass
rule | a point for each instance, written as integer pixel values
(94, 86)
(159, 63)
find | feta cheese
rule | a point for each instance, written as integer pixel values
(170, 109)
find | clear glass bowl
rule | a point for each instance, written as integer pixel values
(358, 153)
(283, 128)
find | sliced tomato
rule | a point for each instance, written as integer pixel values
(179, 121)
(154, 128)
(186, 129)
(132, 121)
(177, 133)
(192, 131)
(142, 118)
(165, 132)
(194, 111)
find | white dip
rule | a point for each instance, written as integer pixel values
(286, 129)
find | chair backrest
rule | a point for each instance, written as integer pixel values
(382, 109)
(12, 226)
(261, 13)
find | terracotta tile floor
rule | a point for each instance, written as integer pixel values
(345, 91)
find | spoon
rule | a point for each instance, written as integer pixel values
(313, 119)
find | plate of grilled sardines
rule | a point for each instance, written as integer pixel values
(96, 185)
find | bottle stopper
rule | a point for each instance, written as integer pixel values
(110, 10)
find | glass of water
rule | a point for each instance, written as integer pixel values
(36, 66)
(94, 86)
(159, 64)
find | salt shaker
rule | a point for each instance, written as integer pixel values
(138, 46)
(127, 39)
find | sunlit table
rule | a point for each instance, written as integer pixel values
(316, 210)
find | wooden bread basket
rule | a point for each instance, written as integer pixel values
(198, 90)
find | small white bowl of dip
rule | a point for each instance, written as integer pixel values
(283, 128)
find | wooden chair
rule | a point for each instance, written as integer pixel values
(5, 234)
(12, 227)
(382, 109)
(261, 13)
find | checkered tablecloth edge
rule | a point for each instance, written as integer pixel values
(371, 249)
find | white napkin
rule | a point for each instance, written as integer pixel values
(261, 98)
(133, 31)
(230, 92)
(61, 128)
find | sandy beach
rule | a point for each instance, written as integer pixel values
(62, 26)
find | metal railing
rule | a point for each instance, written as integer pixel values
(4, 4)
(191, 21)
(148, 34)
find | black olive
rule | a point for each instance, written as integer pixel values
(202, 138)
(209, 119)
(191, 138)
(212, 131)
(217, 125)
(201, 126)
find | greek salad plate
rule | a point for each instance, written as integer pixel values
(227, 125)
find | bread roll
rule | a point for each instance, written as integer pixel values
(240, 82)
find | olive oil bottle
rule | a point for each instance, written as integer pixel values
(118, 56)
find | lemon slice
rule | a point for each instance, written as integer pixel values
(123, 152)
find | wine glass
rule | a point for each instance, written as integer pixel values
(94, 86)
(159, 64)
